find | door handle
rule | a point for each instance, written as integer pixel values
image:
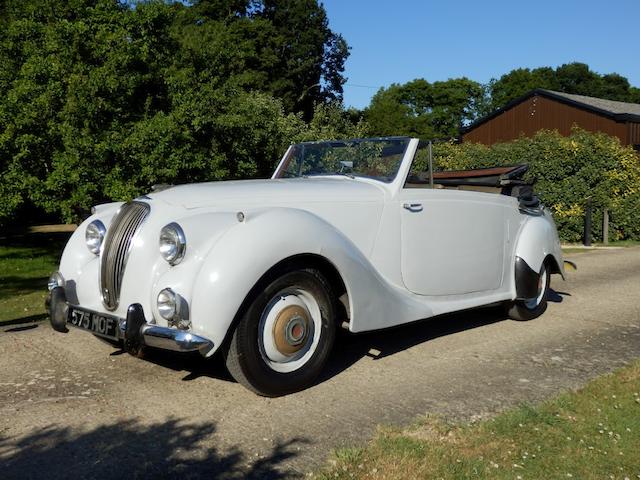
(412, 207)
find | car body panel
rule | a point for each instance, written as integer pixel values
(397, 265)
(469, 226)
(537, 240)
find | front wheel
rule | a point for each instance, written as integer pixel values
(531, 308)
(285, 336)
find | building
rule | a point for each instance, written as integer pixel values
(546, 109)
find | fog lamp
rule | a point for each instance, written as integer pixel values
(168, 304)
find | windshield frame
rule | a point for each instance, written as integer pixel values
(290, 156)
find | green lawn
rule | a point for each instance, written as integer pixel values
(577, 248)
(593, 433)
(25, 265)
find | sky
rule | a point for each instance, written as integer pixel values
(400, 40)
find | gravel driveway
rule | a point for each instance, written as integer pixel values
(73, 406)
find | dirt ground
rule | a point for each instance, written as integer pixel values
(73, 406)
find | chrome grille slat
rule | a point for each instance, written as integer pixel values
(116, 248)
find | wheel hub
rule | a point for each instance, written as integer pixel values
(290, 330)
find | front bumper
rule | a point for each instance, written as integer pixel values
(134, 330)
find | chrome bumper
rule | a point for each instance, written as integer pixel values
(174, 339)
(134, 330)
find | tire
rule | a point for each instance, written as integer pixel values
(534, 307)
(285, 336)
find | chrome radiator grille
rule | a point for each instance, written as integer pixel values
(115, 250)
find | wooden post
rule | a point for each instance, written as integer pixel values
(605, 226)
(587, 224)
(430, 164)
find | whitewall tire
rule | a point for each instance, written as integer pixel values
(285, 335)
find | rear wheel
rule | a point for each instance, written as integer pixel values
(531, 308)
(285, 336)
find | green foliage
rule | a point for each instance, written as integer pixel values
(426, 110)
(25, 266)
(310, 57)
(574, 78)
(100, 100)
(567, 170)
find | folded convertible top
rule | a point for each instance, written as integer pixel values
(504, 180)
(484, 177)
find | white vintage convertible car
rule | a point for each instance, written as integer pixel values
(358, 233)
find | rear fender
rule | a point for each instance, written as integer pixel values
(538, 241)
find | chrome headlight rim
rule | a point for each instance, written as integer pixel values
(172, 243)
(94, 236)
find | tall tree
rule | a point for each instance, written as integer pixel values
(576, 78)
(426, 110)
(99, 100)
(309, 56)
(288, 48)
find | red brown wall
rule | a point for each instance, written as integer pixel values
(633, 133)
(537, 113)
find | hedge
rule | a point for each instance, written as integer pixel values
(567, 171)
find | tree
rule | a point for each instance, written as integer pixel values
(576, 78)
(426, 110)
(309, 58)
(100, 100)
(287, 46)
(518, 82)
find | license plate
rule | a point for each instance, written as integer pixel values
(95, 322)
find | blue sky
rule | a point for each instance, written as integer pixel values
(397, 41)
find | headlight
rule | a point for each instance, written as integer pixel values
(55, 280)
(172, 243)
(94, 235)
(168, 304)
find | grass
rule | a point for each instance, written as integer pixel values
(593, 433)
(570, 248)
(25, 265)
(567, 250)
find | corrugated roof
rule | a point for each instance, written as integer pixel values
(611, 106)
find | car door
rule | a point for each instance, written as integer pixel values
(452, 241)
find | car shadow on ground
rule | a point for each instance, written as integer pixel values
(350, 348)
(130, 449)
(556, 297)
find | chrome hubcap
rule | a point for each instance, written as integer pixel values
(289, 330)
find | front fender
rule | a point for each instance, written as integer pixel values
(266, 237)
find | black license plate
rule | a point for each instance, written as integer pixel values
(95, 322)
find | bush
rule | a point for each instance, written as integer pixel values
(100, 99)
(567, 171)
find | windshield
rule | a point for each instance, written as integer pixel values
(377, 158)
